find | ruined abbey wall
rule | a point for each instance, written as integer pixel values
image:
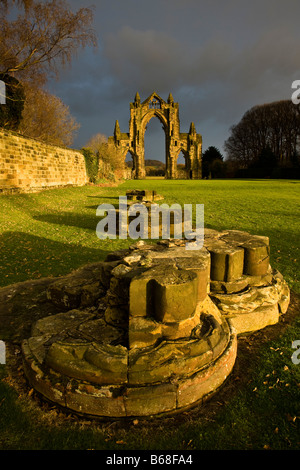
(28, 164)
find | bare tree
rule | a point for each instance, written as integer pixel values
(111, 154)
(95, 142)
(36, 38)
(42, 37)
(110, 158)
(274, 126)
(5, 4)
(47, 118)
(106, 151)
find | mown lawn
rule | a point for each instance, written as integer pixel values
(53, 232)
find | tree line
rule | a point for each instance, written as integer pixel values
(265, 143)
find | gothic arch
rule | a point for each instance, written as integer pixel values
(183, 173)
(155, 114)
(168, 113)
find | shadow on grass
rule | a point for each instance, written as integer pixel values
(105, 197)
(70, 219)
(25, 256)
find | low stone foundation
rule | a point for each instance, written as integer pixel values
(153, 329)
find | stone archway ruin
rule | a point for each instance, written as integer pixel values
(190, 143)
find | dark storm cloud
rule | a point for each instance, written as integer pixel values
(154, 60)
(217, 58)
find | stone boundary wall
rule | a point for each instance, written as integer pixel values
(29, 165)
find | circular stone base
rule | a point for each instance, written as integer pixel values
(109, 381)
(153, 329)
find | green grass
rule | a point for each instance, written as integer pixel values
(52, 232)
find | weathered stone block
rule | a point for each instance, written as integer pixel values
(138, 296)
(117, 316)
(90, 294)
(103, 364)
(147, 401)
(50, 388)
(229, 287)
(70, 291)
(182, 328)
(257, 258)
(208, 379)
(143, 332)
(176, 345)
(198, 262)
(256, 319)
(105, 271)
(168, 360)
(57, 166)
(175, 295)
(60, 323)
(97, 401)
(227, 262)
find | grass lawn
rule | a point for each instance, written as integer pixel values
(53, 232)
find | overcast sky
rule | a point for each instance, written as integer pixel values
(218, 58)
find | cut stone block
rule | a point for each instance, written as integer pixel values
(183, 328)
(145, 401)
(167, 360)
(143, 332)
(257, 257)
(53, 390)
(255, 320)
(138, 296)
(227, 262)
(200, 264)
(175, 295)
(238, 237)
(207, 380)
(89, 399)
(101, 364)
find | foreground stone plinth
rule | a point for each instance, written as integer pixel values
(143, 195)
(153, 329)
